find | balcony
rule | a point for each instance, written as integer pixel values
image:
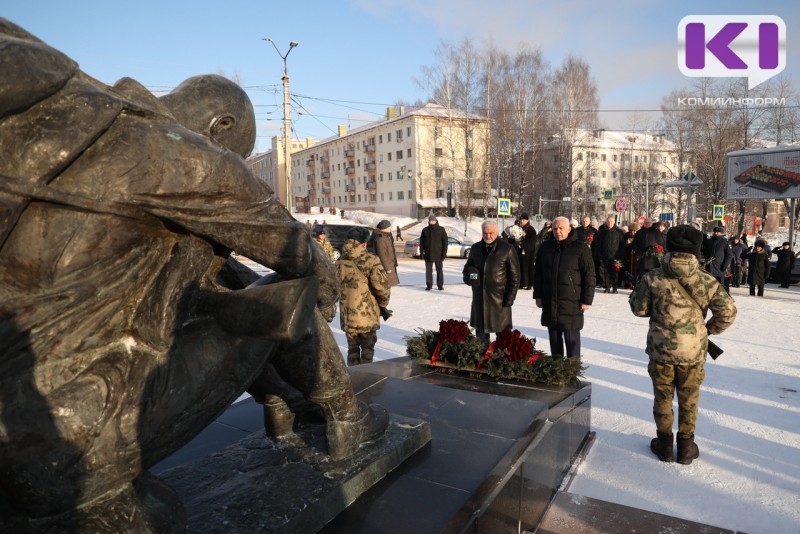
(372, 185)
(310, 162)
(325, 159)
(326, 175)
(349, 153)
(310, 176)
(311, 191)
(350, 188)
(371, 148)
(370, 166)
(350, 170)
(326, 190)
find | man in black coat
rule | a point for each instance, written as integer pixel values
(784, 264)
(610, 248)
(718, 256)
(644, 242)
(497, 267)
(563, 287)
(526, 249)
(433, 246)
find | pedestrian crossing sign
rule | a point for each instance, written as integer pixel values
(719, 212)
(503, 207)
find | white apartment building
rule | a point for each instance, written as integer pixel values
(575, 174)
(405, 164)
(268, 165)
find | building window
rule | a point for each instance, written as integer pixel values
(399, 175)
(438, 172)
(381, 177)
(408, 152)
(409, 194)
(399, 134)
(389, 156)
(593, 173)
(580, 174)
(580, 156)
(381, 197)
(390, 195)
(388, 138)
(439, 193)
(359, 198)
(613, 157)
(408, 134)
(399, 154)
(468, 153)
(399, 195)
(438, 152)
(604, 174)
(602, 157)
(380, 139)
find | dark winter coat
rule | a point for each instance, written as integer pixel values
(433, 242)
(738, 251)
(383, 244)
(758, 268)
(527, 255)
(564, 279)
(718, 256)
(610, 243)
(493, 297)
(785, 261)
(643, 240)
(587, 234)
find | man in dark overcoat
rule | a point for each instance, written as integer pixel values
(785, 263)
(610, 248)
(433, 246)
(563, 287)
(718, 255)
(497, 267)
(526, 250)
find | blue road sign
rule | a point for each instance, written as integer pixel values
(504, 207)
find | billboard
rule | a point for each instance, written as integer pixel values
(764, 173)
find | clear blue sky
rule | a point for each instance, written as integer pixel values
(358, 56)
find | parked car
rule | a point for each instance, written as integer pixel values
(794, 277)
(455, 248)
(337, 234)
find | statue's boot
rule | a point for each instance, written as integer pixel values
(350, 423)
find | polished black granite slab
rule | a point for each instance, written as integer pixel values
(497, 455)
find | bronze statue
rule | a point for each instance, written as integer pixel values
(125, 328)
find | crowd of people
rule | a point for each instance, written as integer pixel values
(675, 274)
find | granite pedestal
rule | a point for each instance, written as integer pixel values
(497, 456)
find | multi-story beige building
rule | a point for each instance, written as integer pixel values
(406, 164)
(269, 166)
(575, 174)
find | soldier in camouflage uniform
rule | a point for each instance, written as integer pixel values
(322, 239)
(365, 296)
(677, 297)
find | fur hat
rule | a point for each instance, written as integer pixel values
(760, 243)
(432, 217)
(786, 244)
(719, 229)
(684, 238)
(384, 224)
(524, 217)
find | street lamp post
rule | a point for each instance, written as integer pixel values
(287, 147)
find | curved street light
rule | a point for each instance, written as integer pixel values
(287, 153)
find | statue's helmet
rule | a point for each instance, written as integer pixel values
(214, 106)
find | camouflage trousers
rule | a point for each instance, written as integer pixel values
(669, 379)
(361, 347)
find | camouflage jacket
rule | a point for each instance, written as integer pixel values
(364, 286)
(328, 248)
(678, 331)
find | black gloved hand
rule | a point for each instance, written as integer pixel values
(386, 313)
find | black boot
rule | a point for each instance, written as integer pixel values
(687, 450)
(662, 447)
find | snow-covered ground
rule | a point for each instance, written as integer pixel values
(748, 475)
